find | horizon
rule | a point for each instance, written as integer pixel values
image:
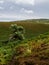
(16, 10)
(24, 20)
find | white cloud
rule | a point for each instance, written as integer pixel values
(1, 1)
(11, 7)
(16, 15)
(31, 2)
(23, 17)
(25, 1)
(27, 11)
(1, 8)
(41, 1)
(8, 16)
(12, 17)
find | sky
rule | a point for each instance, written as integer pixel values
(12, 10)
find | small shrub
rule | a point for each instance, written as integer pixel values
(17, 32)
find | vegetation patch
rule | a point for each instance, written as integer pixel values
(33, 50)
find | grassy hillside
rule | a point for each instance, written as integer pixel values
(34, 50)
(32, 29)
(27, 52)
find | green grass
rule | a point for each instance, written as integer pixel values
(36, 44)
(32, 29)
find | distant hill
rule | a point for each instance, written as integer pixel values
(34, 20)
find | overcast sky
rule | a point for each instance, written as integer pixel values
(11, 10)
